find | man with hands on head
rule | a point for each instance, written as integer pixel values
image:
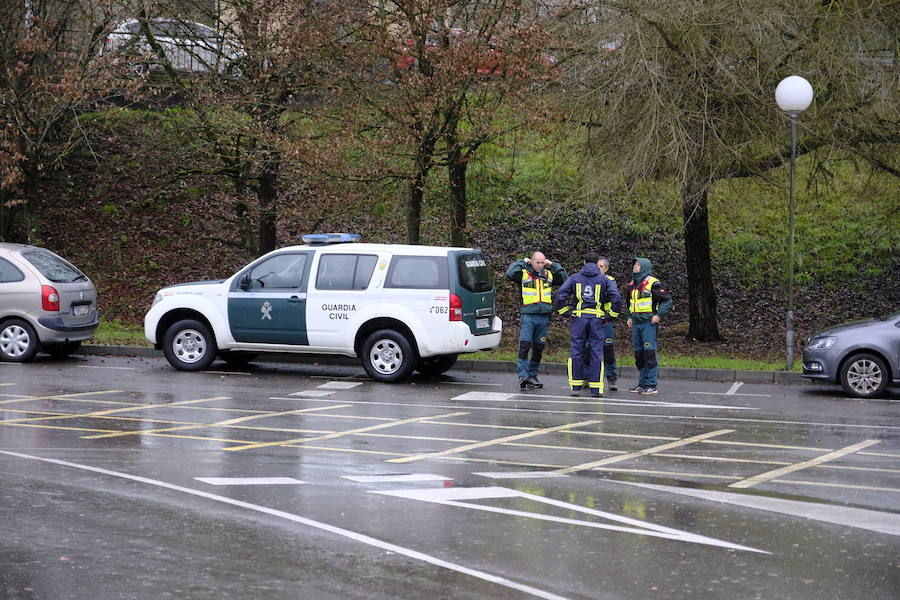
(536, 277)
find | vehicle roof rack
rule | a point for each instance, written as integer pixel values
(321, 239)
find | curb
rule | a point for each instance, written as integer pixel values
(498, 366)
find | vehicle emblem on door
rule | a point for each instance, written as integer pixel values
(266, 311)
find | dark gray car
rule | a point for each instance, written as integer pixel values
(863, 356)
(45, 304)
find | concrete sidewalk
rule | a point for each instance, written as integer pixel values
(625, 372)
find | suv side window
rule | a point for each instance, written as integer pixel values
(9, 272)
(345, 271)
(424, 272)
(284, 271)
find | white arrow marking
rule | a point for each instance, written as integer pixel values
(862, 518)
(250, 480)
(458, 497)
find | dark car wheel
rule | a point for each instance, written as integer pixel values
(61, 350)
(388, 356)
(18, 341)
(189, 345)
(864, 376)
(436, 365)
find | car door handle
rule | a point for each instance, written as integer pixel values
(296, 299)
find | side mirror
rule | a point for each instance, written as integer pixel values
(244, 281)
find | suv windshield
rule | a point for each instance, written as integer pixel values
(53, 267)
(474, 273)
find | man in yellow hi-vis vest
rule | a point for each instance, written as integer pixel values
(536, 277)
(646, 303)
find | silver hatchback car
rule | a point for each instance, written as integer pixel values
(864, 356)
(45, 304)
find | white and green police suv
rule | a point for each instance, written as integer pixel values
(399, 308)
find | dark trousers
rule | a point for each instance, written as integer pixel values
(586, 349)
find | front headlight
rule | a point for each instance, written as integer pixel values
(821, 343)
(157, 298)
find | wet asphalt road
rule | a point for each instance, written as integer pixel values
(121, 478)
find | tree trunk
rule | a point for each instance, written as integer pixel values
(457, 168)
(267, 194)
(701, 292)
(414, 209)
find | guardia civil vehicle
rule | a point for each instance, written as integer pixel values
(398, 308)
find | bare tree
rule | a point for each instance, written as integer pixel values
(685, 91)
(49, 70)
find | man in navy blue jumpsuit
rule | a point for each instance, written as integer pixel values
(584, 295)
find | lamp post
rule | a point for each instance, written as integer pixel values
(793, 95)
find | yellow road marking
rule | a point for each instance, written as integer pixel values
(509, 438)
(762, 477)
(21, 398)
(645, 452)
(840, 485)
(37, 426)
(338, 434)
(111, 411)
(226, 423)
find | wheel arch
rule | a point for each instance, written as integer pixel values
(373, 325)
(862, 350)
(179, 314)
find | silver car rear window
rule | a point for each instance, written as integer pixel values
(53, 267)
(9, 272)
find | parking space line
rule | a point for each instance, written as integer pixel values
(768, 475)
(225, 423)
(509, 438)
(645, 452)
(23, 398)
(111, 411)
(338, 434)
(870, 488)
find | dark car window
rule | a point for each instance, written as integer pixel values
(9, 272)
(474, 273)
(283, 271)
(53, 267)
(345, 271)
(427, 272)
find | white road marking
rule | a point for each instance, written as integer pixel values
(244, 373)
(732, 391)
(519, 474)
(250, 480)
(340, 531)
(458, 496)
(313, 393)
(100, 367)
(395, 478)
(472, 383)
(568, 400)
(489, 396)
(604, 413)
(339, 385)
(872, 520)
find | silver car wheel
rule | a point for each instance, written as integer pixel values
(386, 356)
(864, 376)
(189, 346)
(14, 341)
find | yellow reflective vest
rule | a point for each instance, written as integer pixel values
(536, 289)
(642, 297)
(608, 307)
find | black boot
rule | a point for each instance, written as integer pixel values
(523, 381)
(533, 382)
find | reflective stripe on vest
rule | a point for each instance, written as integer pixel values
(641, 296)
(536, 290)
(608, 305)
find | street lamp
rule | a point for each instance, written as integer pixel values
(793, 95)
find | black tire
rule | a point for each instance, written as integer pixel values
(189, 345)
(61, 350)
(237, 358)
(864, 376)
(388, 356)
(436, 365)
(18, 341)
